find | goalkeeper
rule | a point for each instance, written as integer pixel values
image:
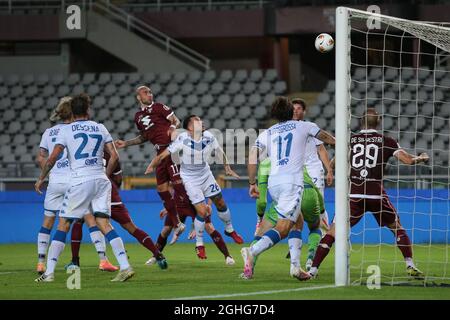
(312, 207)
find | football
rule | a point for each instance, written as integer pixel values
(324, 43)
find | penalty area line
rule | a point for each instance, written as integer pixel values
(255, 293)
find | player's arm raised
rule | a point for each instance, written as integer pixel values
(323, 154)
(174, 124)
(226, 164)
(156, 161)
(127, 143)
(113, 158)
(48, 166)
(410, 159)
(326, 137)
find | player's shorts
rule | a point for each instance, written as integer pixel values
(119, 212)
(183, 214)
(201, 188)
(318, 177)
(382, 209)
(54, 197)
(89, 196)
(167, 171)
(288, 198)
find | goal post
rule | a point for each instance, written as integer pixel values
(402, 69)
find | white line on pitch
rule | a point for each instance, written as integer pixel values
(243, 294)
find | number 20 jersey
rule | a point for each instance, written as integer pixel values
(370, 151)
(85, 141)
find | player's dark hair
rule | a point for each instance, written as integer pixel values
(370, 119)
(299, 101)
(282, 109)
(187, 120)
(80, 105)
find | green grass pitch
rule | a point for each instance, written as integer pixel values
(189, 277)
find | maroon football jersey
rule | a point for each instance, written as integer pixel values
(117, 172)
(153, 124)
(369, 154)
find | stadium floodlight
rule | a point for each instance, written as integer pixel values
(401, 68)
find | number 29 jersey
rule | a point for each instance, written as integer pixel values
(370, 151)
(85, 141)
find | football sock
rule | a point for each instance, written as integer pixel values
(313, 241)
(43, 241)
(118, 248)
(322, 250)
(199, 226)
(225, 216)
(56, 247)
(295, 246)
(99, 241)
(146, 241)
(220, 244)
(75, 240)
(161, 242)
(403, 243)
(169, 205)
(269, 239)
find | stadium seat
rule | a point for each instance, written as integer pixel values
(16, 91)
(134, 79)
(209, 76)
(171, 89)
(234, 124)
(198, 111)
(73, 79)
(42, 79)
(181, 113)
(164, 78)
(217, 88)
(109, 90)
(14, 127)
(44, 125)
(5, 149)
(229, 112)
(20, 103)
(269, 99)
(214, 113)
(118, 114)
(9, 158)
(179, 77)
(375, 74)
(194, 76)
(118, 78)
(270, 75)
(254, 100)
(99, 102)
(239, 100)
(359, 74)
(93, 90)
(313, 111)
(219, 124)
(4, 140)
(88, 78)
(250, 124)
(123, 126)
(225, 76)
(27, 80)
(114, 102)
(3, 91)
(234, 87)
(280, 87)
(104, 78)
(63, 90)
(78, 89)
(9, 115)
(223, 100)
(20, 149)
(163, 99)
(176, 101)
(240, 76)
(256, 75)
(249, 88)
(12, 80)
(206, 100)
(125, 90)
(187, 88)
(201, 88)
(129, 101)
(191, 101)
(25, 115)
(33, 140)
(57, 79)
(264, 87)
(244, 112)
(103, 114)
(156, 88)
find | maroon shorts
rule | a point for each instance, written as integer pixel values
(167, 171)
(183, 213)
(119, 212)
(382, 209)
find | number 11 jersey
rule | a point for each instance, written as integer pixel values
(370, 151)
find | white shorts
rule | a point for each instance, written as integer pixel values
(92, 196)
(288, 198)
(199, 189)
(54, 197)
(318, 177)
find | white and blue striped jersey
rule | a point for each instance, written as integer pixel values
(60, 172)
(194, 155)
(85, 141)
(285, 144)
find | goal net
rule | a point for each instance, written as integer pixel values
(402, 69)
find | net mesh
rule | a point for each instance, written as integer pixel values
(402, 69)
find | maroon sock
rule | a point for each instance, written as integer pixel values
(161, 243)
(218, 241)
(169, 204)
(403, 243)
(322, 250)
(146, 241)
(77, 235)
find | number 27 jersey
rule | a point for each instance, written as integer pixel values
(370, 151)
(85, 141)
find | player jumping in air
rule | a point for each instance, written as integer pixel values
(90, 188)
(120, 214)
(370, 151)
(59, 183)
(195, 145)
(156, 123)
(285, 144)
